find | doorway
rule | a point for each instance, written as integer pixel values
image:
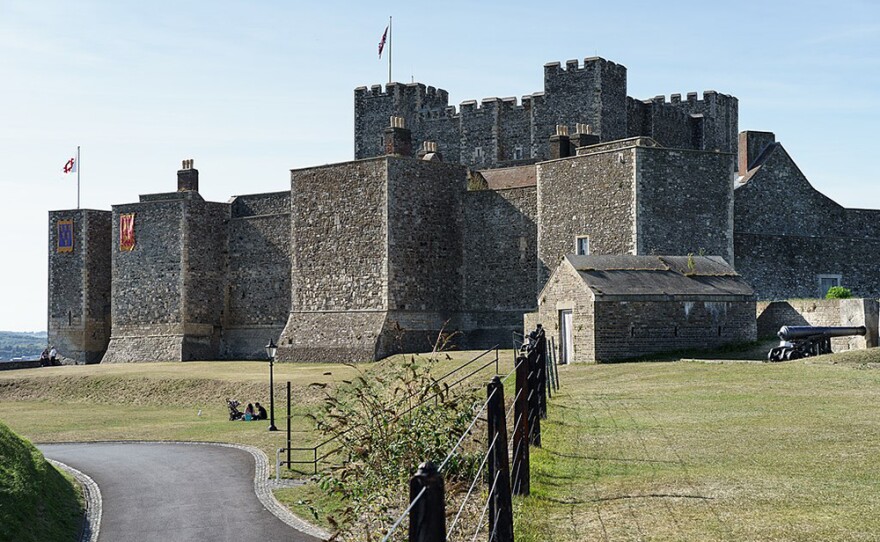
(566, 345)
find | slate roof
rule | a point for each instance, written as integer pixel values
(661, 278)
(511, 177)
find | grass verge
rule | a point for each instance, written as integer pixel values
(37, 502)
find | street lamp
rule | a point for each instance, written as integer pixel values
(271, 348)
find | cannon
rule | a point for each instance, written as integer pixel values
(797, 342)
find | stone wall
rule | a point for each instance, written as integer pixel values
(500, 262)
(169, 292)
(205, 266)
(566, 291)
(339, 261)
(638, 328)
(148, 284)
(787, 234)
(259, 274)
(772, 315)
(684, 202)
(79, 287)
(590, 194)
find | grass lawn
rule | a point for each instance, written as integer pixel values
(161, 401)
(710, 451)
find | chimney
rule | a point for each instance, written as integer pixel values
(584, 136)
(187, 177)
(751, 145)
(398, 140)
(429, 152)
(560, 145)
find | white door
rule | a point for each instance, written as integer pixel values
(566, 346)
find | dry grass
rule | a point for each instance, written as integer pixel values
(700, 451)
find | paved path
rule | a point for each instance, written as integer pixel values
(175, 492)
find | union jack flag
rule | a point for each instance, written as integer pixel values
(382, 41)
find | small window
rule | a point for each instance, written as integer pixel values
(518, 152)
(478, 154)
(582, 245)
(826, 282)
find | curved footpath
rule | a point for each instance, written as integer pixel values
(152, 491)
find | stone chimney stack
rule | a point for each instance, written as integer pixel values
(751, 145)
(187, 177)
(398, 139)
(584, 136)
(560, 144)
(429, 152)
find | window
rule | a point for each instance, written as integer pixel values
(518, 152)
(478, 154)
(582, 245)
(826, 282)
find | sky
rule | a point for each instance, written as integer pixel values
(250, 90)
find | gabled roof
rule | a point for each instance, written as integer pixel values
(660, 278)
(510, 177)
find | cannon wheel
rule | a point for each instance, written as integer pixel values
(774, 354)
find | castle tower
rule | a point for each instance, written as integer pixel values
(79, 284)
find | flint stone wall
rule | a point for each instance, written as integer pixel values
(786, 234)
(259, 274)
(79, 287)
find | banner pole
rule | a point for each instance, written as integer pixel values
(389, 49)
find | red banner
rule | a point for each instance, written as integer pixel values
(126, 232)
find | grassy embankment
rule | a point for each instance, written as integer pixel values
(37, 503)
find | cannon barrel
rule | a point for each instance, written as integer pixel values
(793, 333)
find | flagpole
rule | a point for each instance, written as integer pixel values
(77, 176)
(389, 49)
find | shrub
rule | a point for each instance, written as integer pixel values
(384, 434)
(838, 292)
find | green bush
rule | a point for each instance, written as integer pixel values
(384, 435)
(37, 502)
(838, 292)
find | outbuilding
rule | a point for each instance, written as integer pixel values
(607, 308)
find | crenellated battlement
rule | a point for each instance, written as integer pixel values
(555, 69)
(493, 131)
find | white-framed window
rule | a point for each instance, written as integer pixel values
(518, 152)
(582, 245)
(826, 282)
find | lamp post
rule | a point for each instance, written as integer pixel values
(271, 348)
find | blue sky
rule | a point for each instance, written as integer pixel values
(252, 89)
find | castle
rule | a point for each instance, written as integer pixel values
(362, 259)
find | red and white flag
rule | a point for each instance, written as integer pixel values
(382, 41)
(69, 166)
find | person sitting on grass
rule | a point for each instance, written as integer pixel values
(248, 413)
(261, 412)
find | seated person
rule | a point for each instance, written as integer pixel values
(249, 413)
(261, 412)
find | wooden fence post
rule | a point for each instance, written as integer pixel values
(520, 444)
(500, 503)
(534, 394)
(541, 349)
(427, 518)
